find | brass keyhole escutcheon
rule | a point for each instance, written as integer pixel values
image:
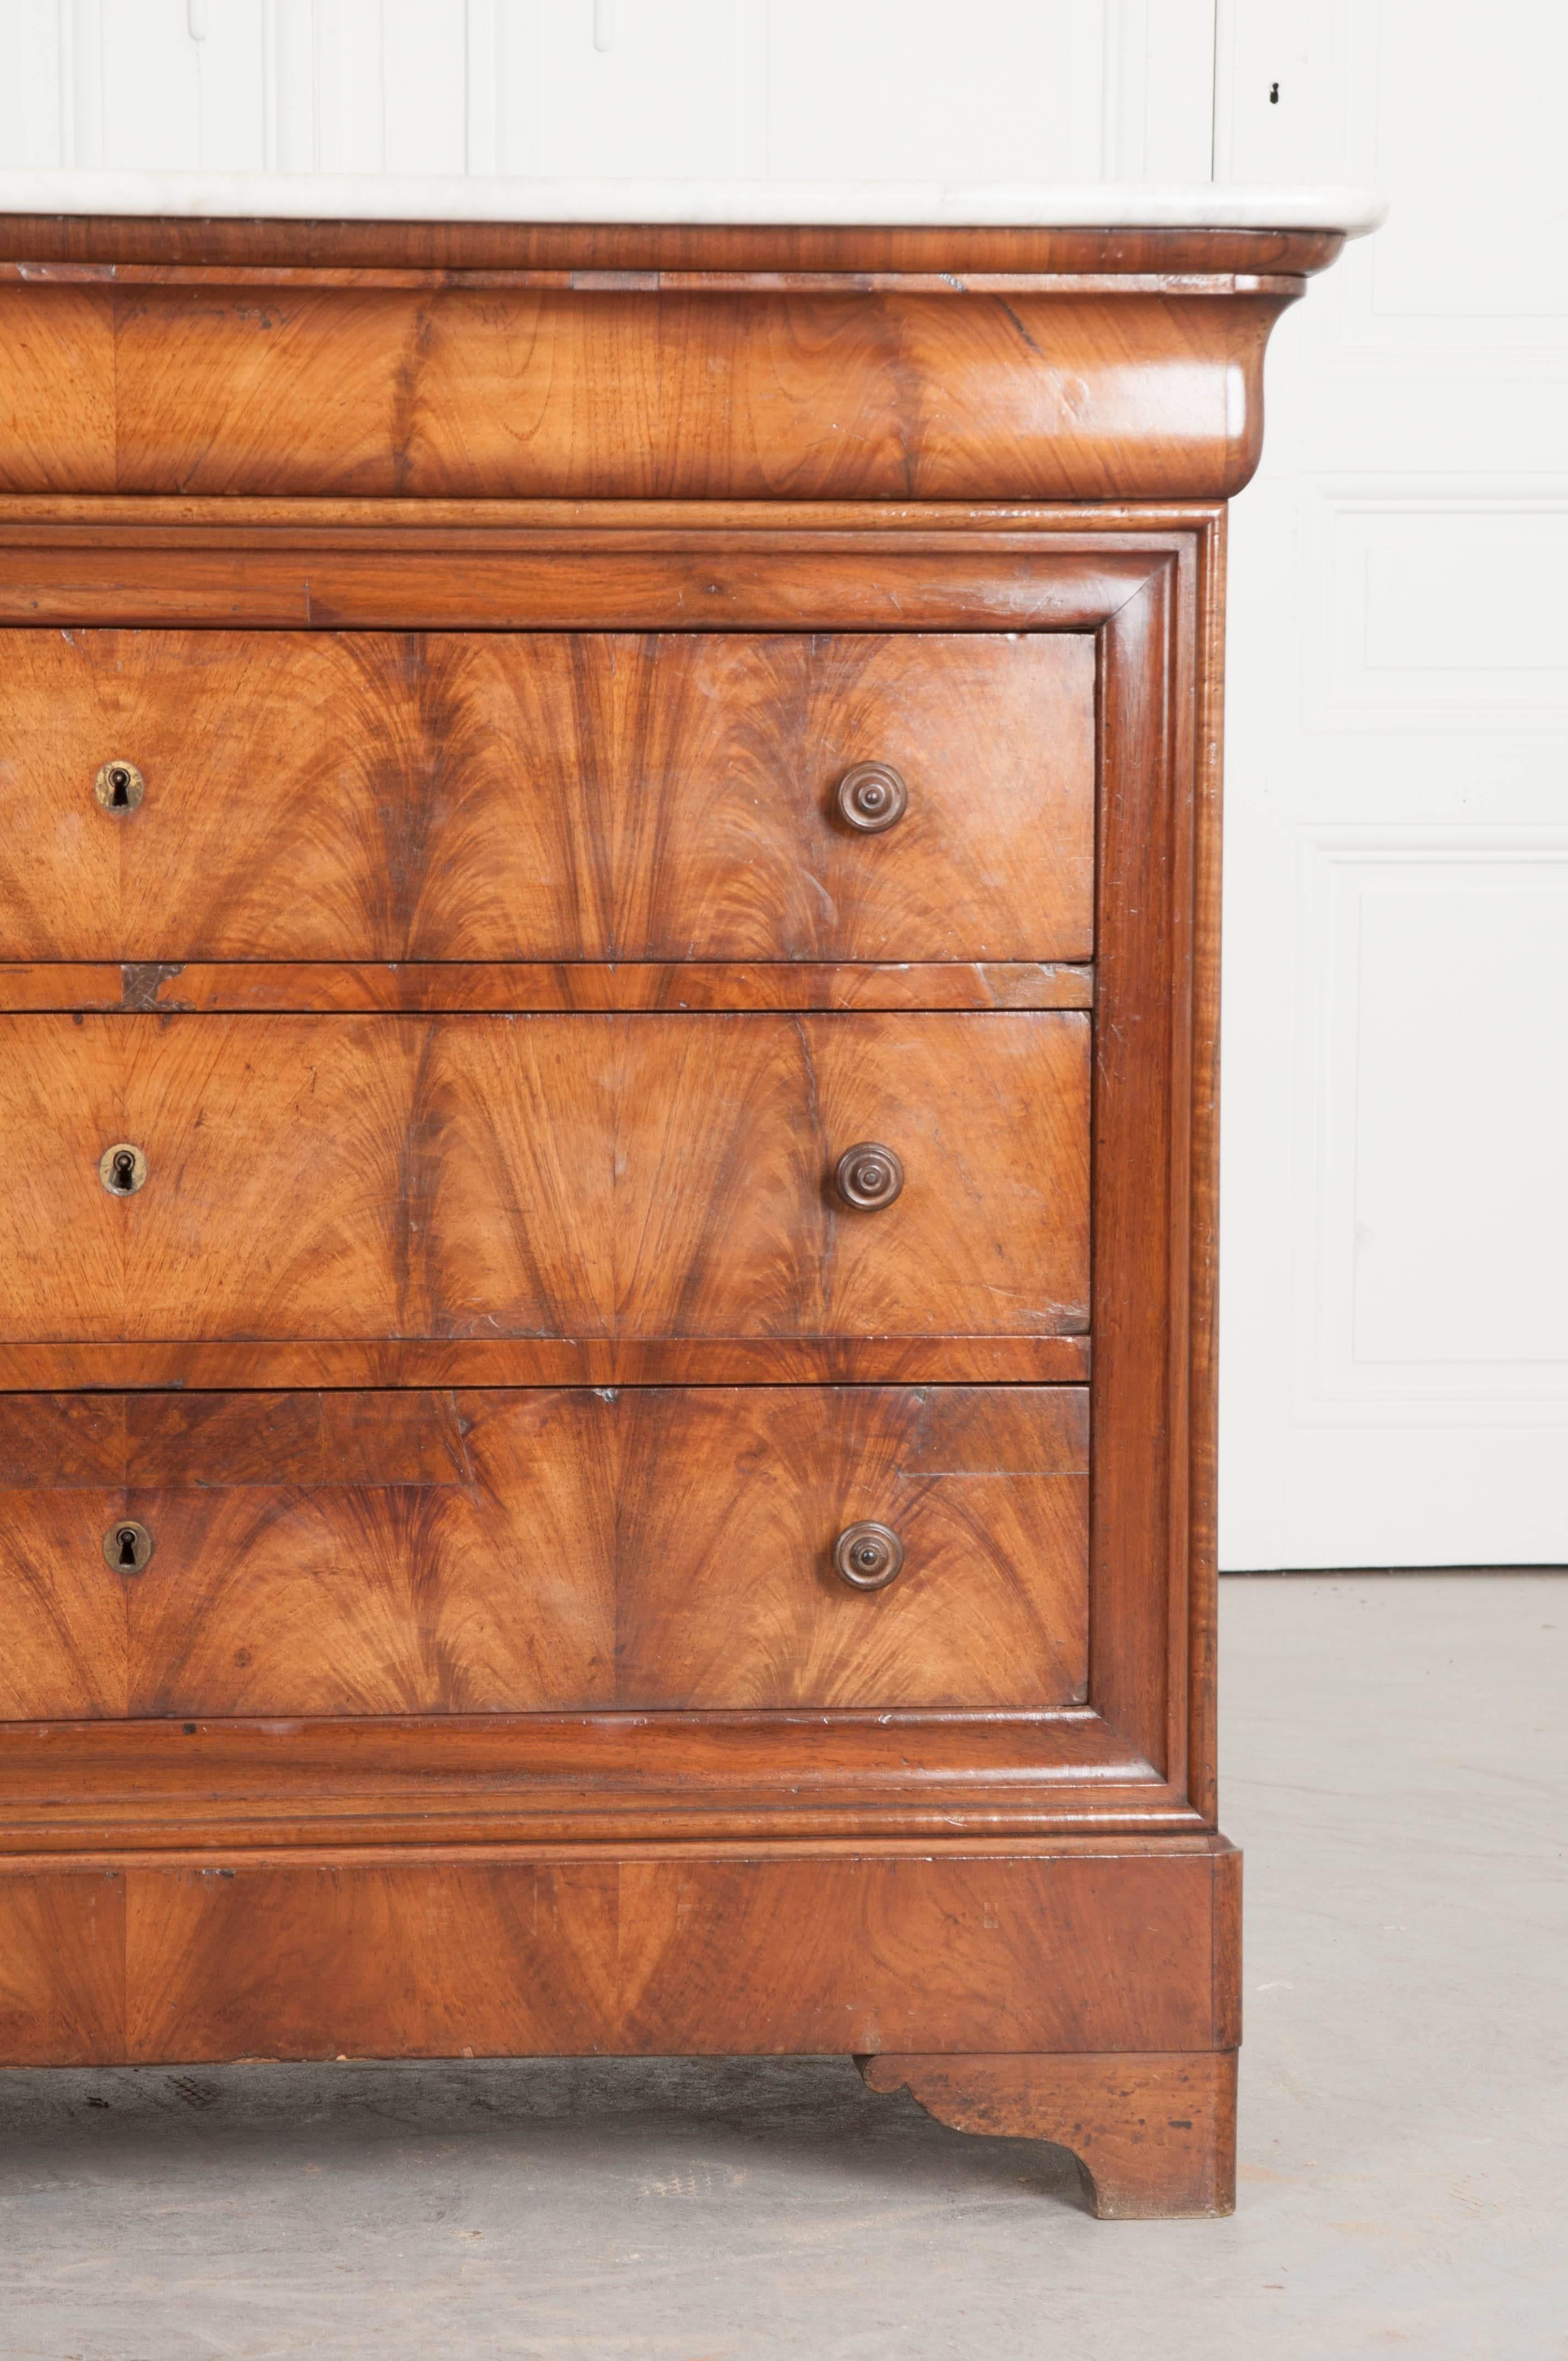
(868, 1176)
(868, 1556)
(122, 1168)
(871, 797)
(127, 1546)
(119, 787)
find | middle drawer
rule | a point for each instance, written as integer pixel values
(331, 1177)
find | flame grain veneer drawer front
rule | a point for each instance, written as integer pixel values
(503, 1551)
(335, 1177)
(171, 795)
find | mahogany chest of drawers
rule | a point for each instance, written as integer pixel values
(608, 902)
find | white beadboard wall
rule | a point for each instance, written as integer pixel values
(1394, 1258)
(785, 89)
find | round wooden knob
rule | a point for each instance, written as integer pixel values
(868, 1556)
(127, 1546)
(868, 1176)
(119, 787)
(872, 796)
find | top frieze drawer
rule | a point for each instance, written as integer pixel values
(171, 795)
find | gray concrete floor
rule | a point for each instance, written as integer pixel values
(1395, 1766)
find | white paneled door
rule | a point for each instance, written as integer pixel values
(1395, 1255)
(1395, 1140)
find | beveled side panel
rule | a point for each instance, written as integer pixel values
(473, 1176)
(649, 393)
(1151, 1232)
(486, 1553)
(358, 796)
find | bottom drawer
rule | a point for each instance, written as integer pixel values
(498, 1552)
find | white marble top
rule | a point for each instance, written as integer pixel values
(1001, 204)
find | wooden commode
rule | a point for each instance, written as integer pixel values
(607, 965)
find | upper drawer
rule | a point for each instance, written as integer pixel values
(764, 380)
(401, 1177)
(544, 797)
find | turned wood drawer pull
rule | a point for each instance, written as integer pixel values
(868, 1556)
(122, 1168)
(868, 1176)
(127, 1546)
(872, 796)
(119, 787)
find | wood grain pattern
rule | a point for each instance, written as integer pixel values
(63, 1967)
(1079, 568)
(1059, 532)
(1156, 2134)
(999, 1944)
(989, 1114)
(750, 1953)
(296, 1363)
(1143, 1139)
(262, 438)
(367, 797)
(578, 1176)
(505, 1552)
(1195, 1655)
(57, 389)
(322, 1592)
(1228, 1949)
(229, 1788)
(613, 391)
(585, 565)
(236, 280)
(56, 1443)
(723, 1505)
(32, 240)
(525, 1960)
(526, 988)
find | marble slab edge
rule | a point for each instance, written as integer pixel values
(386, 197)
